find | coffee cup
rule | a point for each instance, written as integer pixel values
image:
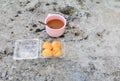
(55, 25)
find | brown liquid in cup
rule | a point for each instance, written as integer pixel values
(55, 24)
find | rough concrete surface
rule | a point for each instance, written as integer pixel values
(91, 40)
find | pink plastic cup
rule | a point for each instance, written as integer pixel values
(55, 32)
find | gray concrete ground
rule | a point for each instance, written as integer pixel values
(91, 40)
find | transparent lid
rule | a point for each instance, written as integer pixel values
(26, 49)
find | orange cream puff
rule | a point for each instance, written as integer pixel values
(47, 53)
(56, 44)
(47, 45)
(56, 52)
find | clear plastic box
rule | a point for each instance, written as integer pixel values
(26, 49)
(62, 50)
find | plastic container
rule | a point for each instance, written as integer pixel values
(41, 50)
(26, 49)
